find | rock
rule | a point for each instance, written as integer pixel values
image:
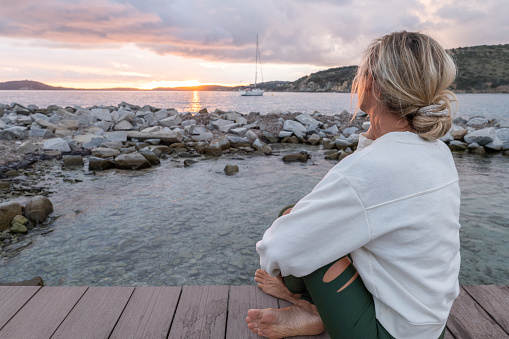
(167, 137)
(302, 157)
(295, 127)
(123, 125)
(41, 133)
(131, 161)
(101, 114)
(241, 120)
(37, 281)
(503, 135)
(459, 120)
(447, 137)
(269, 137)
(68, 125)
(237, 142)
(218, 124)
(350, 130)
(494, 146)
(103, 152)
(482, 136)
(240, 131)
(285, 134)
(477, 122)
(100, 164)
(151, 129)
(150, 156)
(343, 143)
(18, 228)
(458, 133)
(203, 110)
(366, 125)
(95, 143)
(197, 130)
(214, 148)
(457, 146)
(314, 139)
(231, 169)
(170, 121)
(332, 130)
(8, 210)
(104, 125)
(27, 147)
(84, 138)
(331, 155)
(250, 135)
(56, 144)
(5, 185)
(478, 150)
(62, 133)
(2, 124)
(189, 162)
(73, 161)
(307, 119)
(203, 137)
(38, 209)
(11, 134)
(116, 136)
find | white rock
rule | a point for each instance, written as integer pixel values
(332, 130)
(366, 125)
(124, 125)
(116, 136)
(482, 136)
(101, 114)
(295, 127)
(307, 119)
(476, 122)
(56, 144)
(250, 135)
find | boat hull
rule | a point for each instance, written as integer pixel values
(252, 93)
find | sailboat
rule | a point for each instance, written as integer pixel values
(253, 91)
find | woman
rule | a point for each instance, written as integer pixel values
(392, 208)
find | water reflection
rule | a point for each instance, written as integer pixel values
(195, 104)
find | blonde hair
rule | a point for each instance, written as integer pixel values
(410, 75)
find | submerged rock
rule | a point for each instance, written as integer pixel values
(38, 209)
(8, 211)
(100, 164)
(131, 161)
(231, 169)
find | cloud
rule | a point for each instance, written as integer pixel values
(323, 33)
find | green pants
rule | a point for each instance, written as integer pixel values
(345, 305)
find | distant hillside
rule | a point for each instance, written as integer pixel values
(26, 85)
(482, 68)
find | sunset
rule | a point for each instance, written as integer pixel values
(182, 169)
(149, 44)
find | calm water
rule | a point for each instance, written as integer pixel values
(172, 225)
(488, 105)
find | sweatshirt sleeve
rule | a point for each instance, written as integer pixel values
(325, 225)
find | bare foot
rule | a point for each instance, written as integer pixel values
(275, 287)
(299, 319)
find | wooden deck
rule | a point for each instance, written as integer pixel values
(193, 312)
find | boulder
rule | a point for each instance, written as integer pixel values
(150, 156)
(269, 137)
(350, 130)
(116, 136)
(71, 161)
(167, 137)
(11, 134)
(27, 147)
(285, 134)
(103, 152)
(197, 130)
(68, 124)
(41, 133)
(218, 124)
(124, 125)
(56, 144)
(314, 139)
(302, 157)
(457, 146)
(477, 122)
(250, 135)
(170, 121)
(231, 169)
(236, 141)
(131, 161)
(482, 136)
(307, 119)
(332, 130)
(8, 210)
(203, 136)
(100, 164)
(62, 133)
(240, 131)
(38, 209)
(503, 135)
(214, 148)
(458, 133)
(295, 127)
(101, 114)
(16, 227)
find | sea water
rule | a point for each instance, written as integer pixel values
(171, 225)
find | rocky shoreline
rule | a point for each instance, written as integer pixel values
(130, 137)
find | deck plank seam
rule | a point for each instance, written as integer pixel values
(227, 311)
(77, 302)
(22, 306)
(174, 313)
(120, 315)
(485, 310)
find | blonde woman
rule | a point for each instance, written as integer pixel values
(391, 208)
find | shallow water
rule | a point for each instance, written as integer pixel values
(171, 225)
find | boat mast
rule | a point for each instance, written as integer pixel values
(256, 62)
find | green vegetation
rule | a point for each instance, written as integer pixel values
(480, 69)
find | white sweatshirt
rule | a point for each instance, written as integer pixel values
(394, 205)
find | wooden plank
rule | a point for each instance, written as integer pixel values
(448, 335)
(494, 299)
(12, 298)
(243, 298)
(96, 313)
(148, 314)
(324, 335)
(201, 313)
(469, 321)
(42, 315)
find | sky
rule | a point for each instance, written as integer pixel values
(168, 43)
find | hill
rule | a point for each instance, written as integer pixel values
(480, 69)
(26, 85)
